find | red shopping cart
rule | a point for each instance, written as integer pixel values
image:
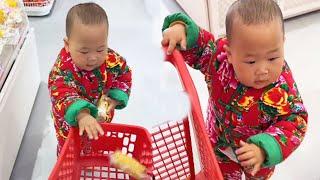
(167, 156)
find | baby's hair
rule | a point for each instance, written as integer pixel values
(87, 14)
(252, 12)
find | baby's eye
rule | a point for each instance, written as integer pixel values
(272, 59)
(250, 62)
(99, 51)
(84, 52)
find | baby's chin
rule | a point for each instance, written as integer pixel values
(257, 85)
(260, 86)
(87, 68)
(91, 69)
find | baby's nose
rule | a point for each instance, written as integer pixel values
(262, 71)
(92, 59)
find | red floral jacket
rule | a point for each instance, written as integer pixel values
(72, 89)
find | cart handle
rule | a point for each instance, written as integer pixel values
(210, 166)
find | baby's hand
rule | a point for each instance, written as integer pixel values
(251, 157)
(89, 124)
(174, 35)
(111, 104)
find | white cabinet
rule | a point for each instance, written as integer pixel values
(16, 100)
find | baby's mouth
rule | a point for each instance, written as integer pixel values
(91, 65)
(261, 81)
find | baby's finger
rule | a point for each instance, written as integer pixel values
(249, 162)
(242, 150)
(256, 169)
(164, 41)
(111, 107)
(111, 104)
(242, 143)
(183, 44)
(94, 132)
(246, 156)
(81, 129)
(172, 45)
(89, 133)
(248, 169)
(100, 130)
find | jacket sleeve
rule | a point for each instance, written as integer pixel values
(66, 102)
(201, 46)
(289, 129)
(121, 82)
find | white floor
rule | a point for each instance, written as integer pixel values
(135, 33)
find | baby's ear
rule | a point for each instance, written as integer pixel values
(66, 43)
(228, 51)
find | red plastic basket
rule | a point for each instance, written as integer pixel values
(81, 158)
(171, 148)
(172, 152)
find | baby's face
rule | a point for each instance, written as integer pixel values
(87, 45)
(256, 53)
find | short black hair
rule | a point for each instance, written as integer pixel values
(253, 12)
(86, 13)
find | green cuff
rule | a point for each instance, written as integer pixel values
(74, 109)
(271, 147)
(192, 29)
(119, 96)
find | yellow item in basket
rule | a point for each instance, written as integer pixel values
(12, 3)
(129, 165)
(3, 17)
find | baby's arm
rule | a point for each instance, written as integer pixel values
(286, 134)
(200, 49)
(121, 83)
(69, 105)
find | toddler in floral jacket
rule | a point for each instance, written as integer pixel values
(256, 117)
(87, 73)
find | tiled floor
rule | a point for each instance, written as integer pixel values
(135, 33)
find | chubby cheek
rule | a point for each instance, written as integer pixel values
(102, 59)
(276, 73)
(79, 60)
(277, 70)
(244, 75)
